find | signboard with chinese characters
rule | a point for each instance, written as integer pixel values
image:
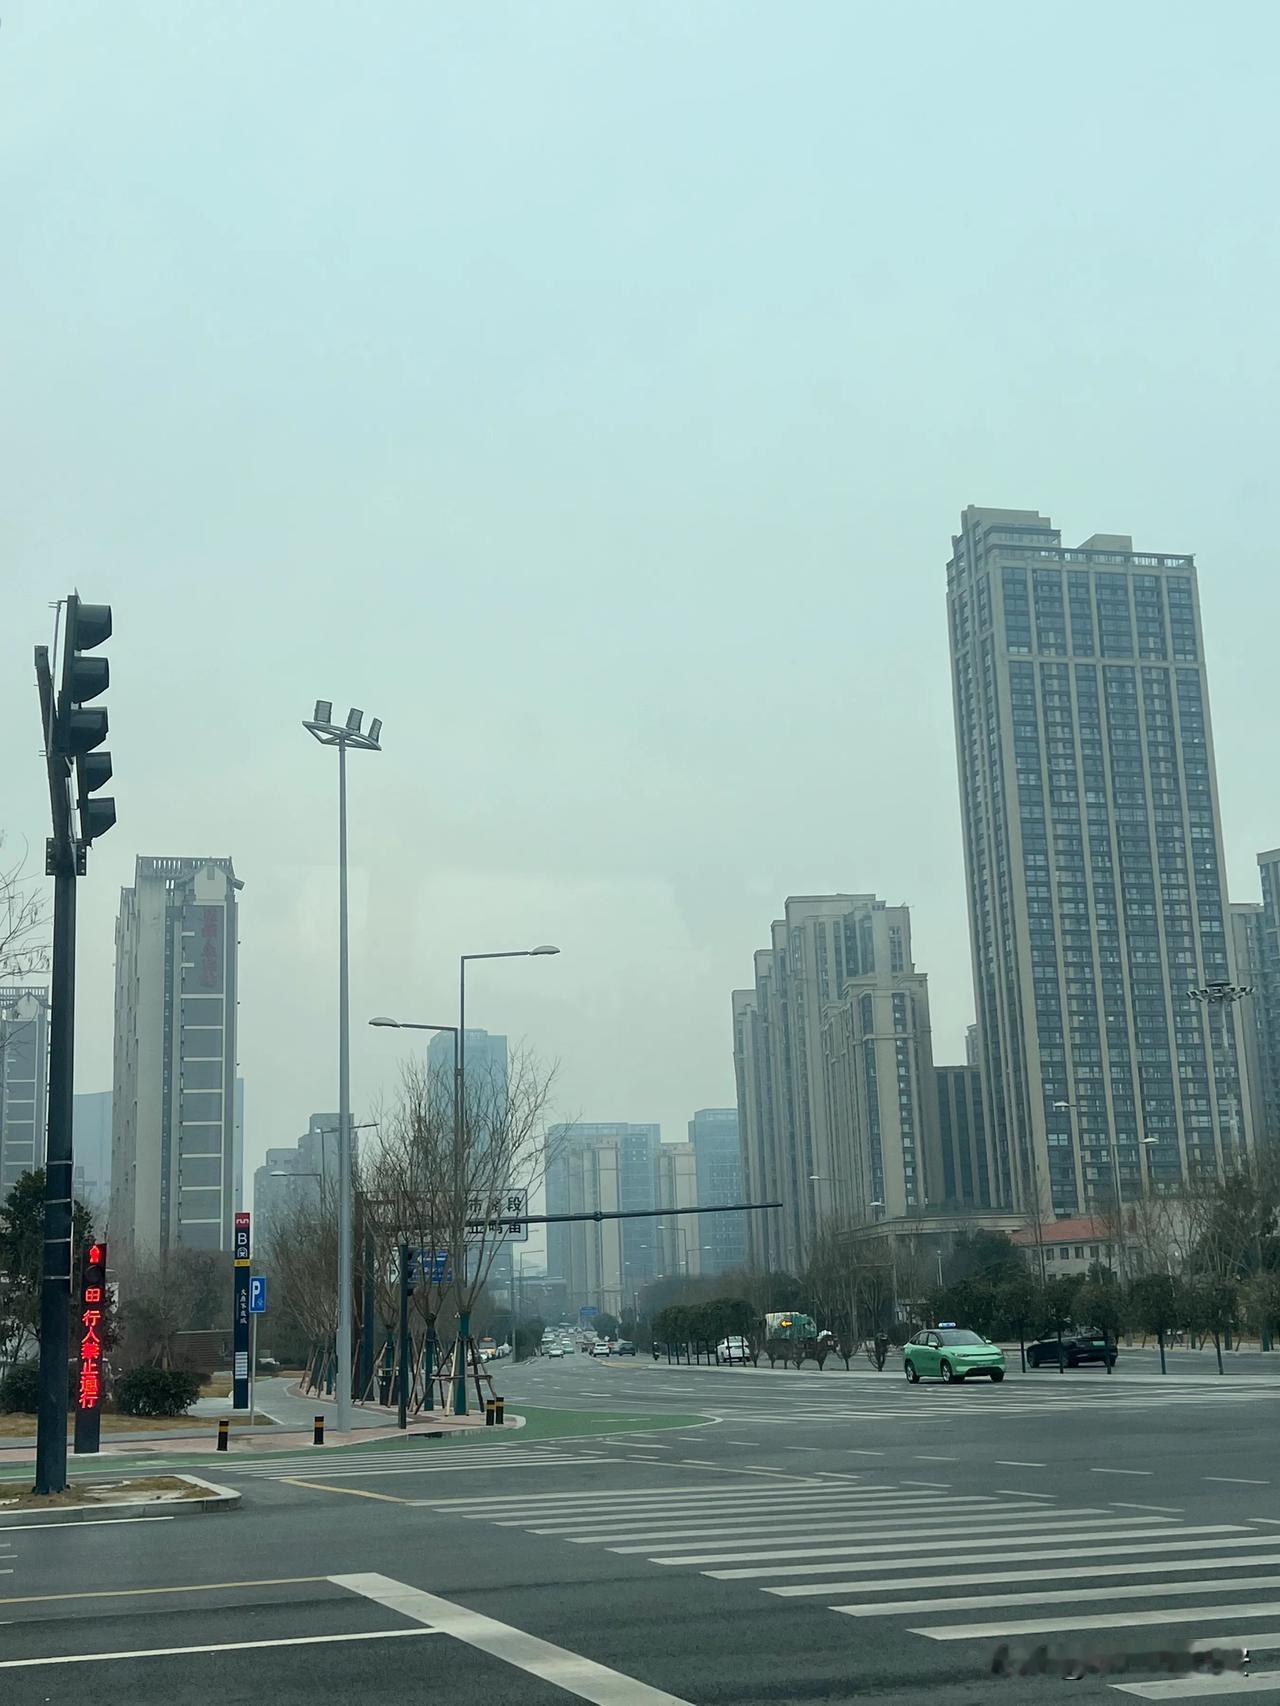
(240, 1280)
(504, 1214)
(93, 1310)
(212, 924)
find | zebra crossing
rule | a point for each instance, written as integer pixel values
(1009, 1571)
(420, 1457)
(928, 1403)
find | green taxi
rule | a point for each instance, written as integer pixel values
(951, 1353)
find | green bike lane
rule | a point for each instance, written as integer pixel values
(540, 1425)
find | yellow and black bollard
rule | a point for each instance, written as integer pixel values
(224, 1429)
(499, 1410)
(317, 1432)
(490, 1413)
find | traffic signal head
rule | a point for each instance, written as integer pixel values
(82, 731)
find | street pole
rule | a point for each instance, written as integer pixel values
(55, 1280)
(328, 733)
(459, 1187)
(344, 1115)
(402, 1403)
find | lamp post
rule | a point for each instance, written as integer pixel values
(329, 733)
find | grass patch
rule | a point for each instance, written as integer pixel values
(131, 1489)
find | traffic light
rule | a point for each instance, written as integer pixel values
(82, 729)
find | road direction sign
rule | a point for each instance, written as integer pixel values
(500, 1215)
(588, 1310)
(257, 1294)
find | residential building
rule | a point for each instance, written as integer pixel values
(680, 1241)
(833, 1062)
(91, 1150)
(173, 1090)
(305, 1173)
(972, 1047)
(24, 1088)
(1248, 931)
(967, 1171)
(1069, 1247)
(717, 1152)
(1094, 862)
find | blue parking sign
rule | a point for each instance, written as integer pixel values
(257, 1294)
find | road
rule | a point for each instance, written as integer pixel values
(787, 1538)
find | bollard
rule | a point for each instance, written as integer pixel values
(317, 1433)
(499, 1411)
(489, 1408)
(224, 1428)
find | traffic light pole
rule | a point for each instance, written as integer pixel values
(55, 1280)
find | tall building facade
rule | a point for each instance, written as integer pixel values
(610, 1166)
(1094, 861)
(304, 1174)
(681, 1245)
(967, 1171)
(1256, 926)
(173, 1117)
(717, 1152)
(833, 1063)
(486, 1064)
(24, 1087)
(91, 1149)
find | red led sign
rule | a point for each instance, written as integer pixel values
(93, 1309)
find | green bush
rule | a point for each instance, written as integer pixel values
(156, 1391)
(19, 1389)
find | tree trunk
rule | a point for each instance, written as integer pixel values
(1217, 1345)
(460, 1371)
(1160, 1340)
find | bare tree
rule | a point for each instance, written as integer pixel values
(301, 1253)
(445, 1183)
(23, 919)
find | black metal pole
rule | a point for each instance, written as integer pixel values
(402, 1410)
(55, 1283)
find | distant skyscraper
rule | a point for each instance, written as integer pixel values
(1094, 861)
(91, 1144)
(681, 1241)
(713, 1132)
(304, 1174)
(1267, 996)
(972, 1047)
(834, 1065)
(486, 1066)
(967, 1172)
(173, 1123)
(24, 1051)
(608, 1166)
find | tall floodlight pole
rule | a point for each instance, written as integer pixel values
(329, 733)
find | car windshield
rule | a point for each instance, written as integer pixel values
(960, 1336)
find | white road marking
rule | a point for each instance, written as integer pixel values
(1203, 1687)
(999, 1537)
(1013, 1463)
(89, 1522)
(1151, 1567)
(1236, 1480)
(926, 1457)
(1122, 1471)
(983, 1602)
(214, 1647)
(1176, 1510)
(934, 1484)
(770, 1534)
(1098, 1620)
(570, 1671)
(1146, 1543)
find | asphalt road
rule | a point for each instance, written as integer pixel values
(811, 1537)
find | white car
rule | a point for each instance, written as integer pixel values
(733, 1350)
(601, 1348)
(554, 1351)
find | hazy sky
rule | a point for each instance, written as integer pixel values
(590, 391)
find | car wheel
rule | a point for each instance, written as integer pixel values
(997, 1374)
(1033, 1359)
(948, 1373)
(909, 1369)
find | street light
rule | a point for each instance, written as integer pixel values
(329, 733)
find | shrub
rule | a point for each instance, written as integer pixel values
(156, 1391)
(19, 1390)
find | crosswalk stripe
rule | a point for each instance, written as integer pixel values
(634, 1495)
(1150, 1567)
(734, 1532)
(816, 1495)
(978, 1523)
(1143, 1540)
(831, 1502)
(337, 1472)
(986, 1602)
(999, 1537)
(1098, 1620)
(1203, 1687)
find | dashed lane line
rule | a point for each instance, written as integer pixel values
(214, 1647)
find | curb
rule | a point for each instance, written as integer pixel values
(216, 1499)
